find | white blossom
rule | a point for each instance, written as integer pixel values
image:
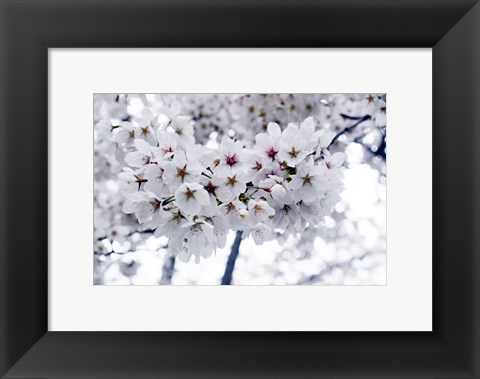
(180, 170)
(260, 233)
(260, 210)
(307, 184)
(197, 239)
(143, 156)
(235, 213)
(294, 148)
(195, 194)
(190, 197)
(182, 126)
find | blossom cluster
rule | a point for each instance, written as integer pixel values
(245, 115)
(194, 194)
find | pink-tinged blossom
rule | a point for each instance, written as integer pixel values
(167, 144)
(230, 159)
(267, 144)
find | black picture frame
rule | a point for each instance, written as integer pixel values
(29, 28)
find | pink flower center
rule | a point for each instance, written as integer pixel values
(271, 152)
(231, 160)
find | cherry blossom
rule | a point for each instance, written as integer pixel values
(194, 194)
(230, 157)
(190, 169)
(294, 147)
(190, 197)
(143, 156)
(308, 183)
(180, 170)
(260, 233)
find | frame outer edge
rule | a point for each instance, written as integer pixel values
(37, 85)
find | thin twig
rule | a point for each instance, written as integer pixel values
(348, 128)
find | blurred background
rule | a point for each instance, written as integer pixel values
(349, 249)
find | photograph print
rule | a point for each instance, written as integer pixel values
(239, 189)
